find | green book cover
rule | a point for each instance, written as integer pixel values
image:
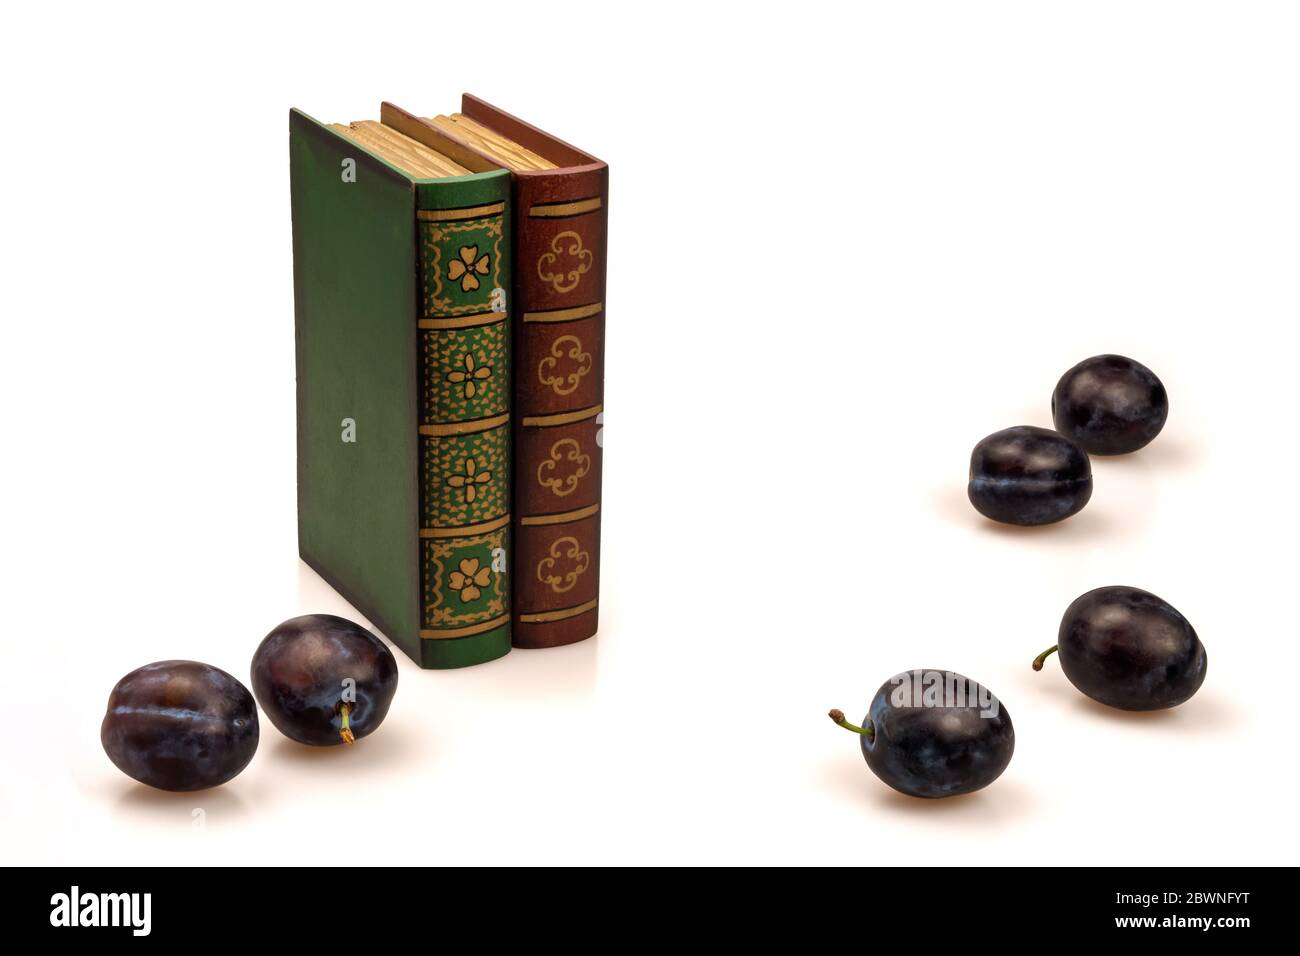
(401, 266)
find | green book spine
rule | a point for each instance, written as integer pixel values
(465, 399)
(403, 388)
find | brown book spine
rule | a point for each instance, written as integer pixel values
(558, 305)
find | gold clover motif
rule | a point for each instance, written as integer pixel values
(470, 579)
(470, 480)
(464, 268)
(469, 378)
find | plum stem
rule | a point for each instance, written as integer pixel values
(868, 731)
(1038, 661)
(346, 730)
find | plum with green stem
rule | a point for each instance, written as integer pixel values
(932, 733)
(1127, 648)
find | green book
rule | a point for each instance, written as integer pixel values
(401, 248)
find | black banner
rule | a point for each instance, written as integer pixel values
(211, 906)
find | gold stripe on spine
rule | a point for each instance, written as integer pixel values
(563, 517)
(466, 531)
(563, 614)
(469, 631)
(465, 428)
(557, 209)
(464, 321)
(565, 418)
(451, 215)
(565, 315)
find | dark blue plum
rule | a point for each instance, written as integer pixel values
(180, 725)
(324, 680)
(1127, 648)
(932, 733)
(1029, 476)
(1110, 405)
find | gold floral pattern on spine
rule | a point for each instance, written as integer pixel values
(452, 359)
(565, 263)
(446, 502)
(469, 579)
(563, 380)
(551, 475)
(467, 562)
(470, 480)
(572, 562)
(470, 377)
(464, 389)
(453, 263)
(463, 268)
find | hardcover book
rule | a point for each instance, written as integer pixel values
(561, 201)
(402, 252)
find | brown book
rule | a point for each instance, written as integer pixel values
(560, 201)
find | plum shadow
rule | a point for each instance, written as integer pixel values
(1088, 526)
(1004, 801)
(147, 804)
(1202, 714)
(390, 746)
(1206, 712)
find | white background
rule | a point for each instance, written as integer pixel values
(847, 243)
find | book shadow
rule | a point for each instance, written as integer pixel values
(550, 672)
